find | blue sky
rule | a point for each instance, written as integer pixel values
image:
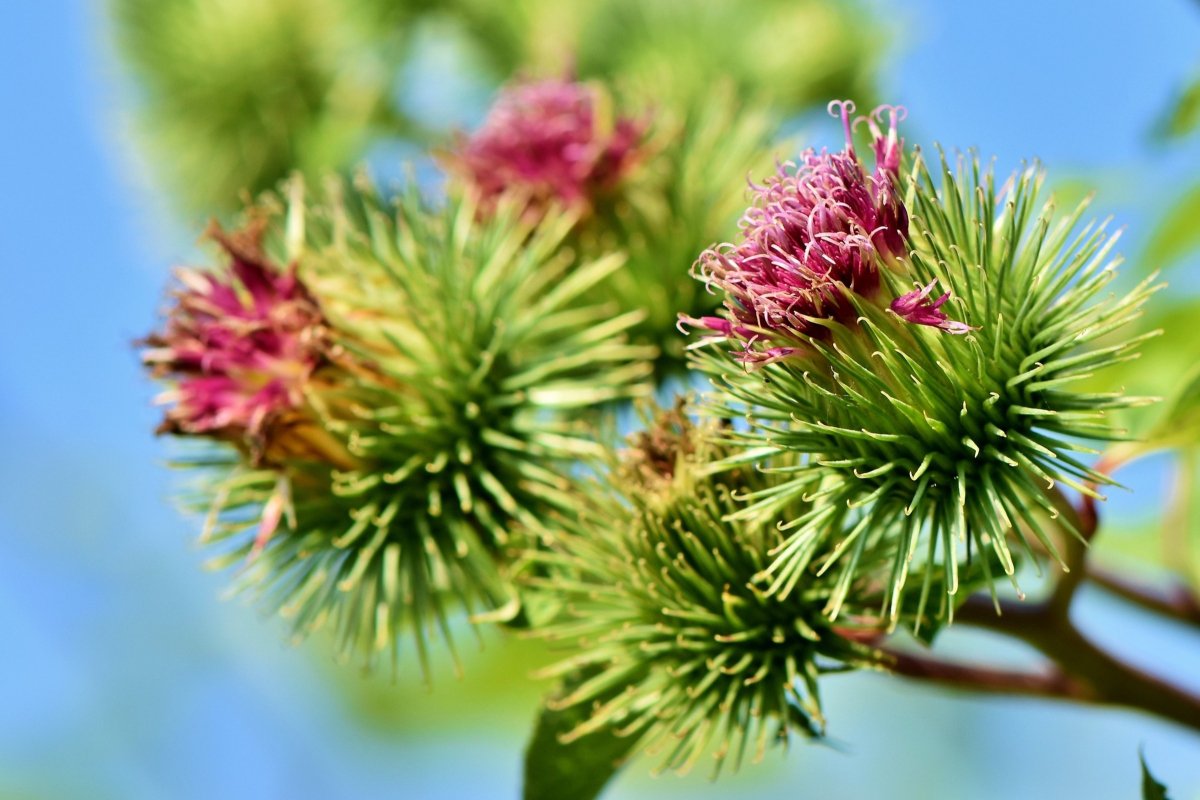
(124, 676)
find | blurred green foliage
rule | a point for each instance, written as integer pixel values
(792, 53)
(1182, 116)
(494, 686)
(1177, 234)
(236, 94)
(1179, 423)
(233, 95)
(1166, 367)
(795, 52)
(1170, 365)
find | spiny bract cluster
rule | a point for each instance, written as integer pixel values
(677, 647)
(951, 446)
(454, 367)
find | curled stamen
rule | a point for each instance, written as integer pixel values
(843, 109)
(896, 114)
(887, 146)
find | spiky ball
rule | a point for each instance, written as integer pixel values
(951, 446)
(456, 370)
(676, 645)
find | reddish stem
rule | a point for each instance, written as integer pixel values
(1176, 602)
(1107, 679)
(1050, 683)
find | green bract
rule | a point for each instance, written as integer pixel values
(945, 450)
(458, 368)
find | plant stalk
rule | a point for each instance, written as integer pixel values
(1104, 678)
(1177, 602)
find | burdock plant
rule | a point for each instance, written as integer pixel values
(895, 425)
(392, 409)
(401, 400)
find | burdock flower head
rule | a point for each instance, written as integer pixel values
(955, 448)
(817, 234)
(240, 347)
(553, 141)
(446, 371)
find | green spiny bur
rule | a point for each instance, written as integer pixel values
(459, 377)
(948, 447)
(681, 650)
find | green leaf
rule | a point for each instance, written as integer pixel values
(580, 769)
(1183, 117)
(1177, 234)
(1179, 424)
(1151, 788)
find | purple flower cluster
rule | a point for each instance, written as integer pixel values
(240, 348)
(552, 142)
(817, 232)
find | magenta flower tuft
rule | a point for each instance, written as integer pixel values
(915, 307)
(240, 347)
(552, 141)
(891, 221)
(816, 233)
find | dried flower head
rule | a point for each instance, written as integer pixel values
(553, 141)
(815, 237)
(655, 455)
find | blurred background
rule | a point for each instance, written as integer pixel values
(124, 125)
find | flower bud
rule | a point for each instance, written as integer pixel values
(675, 645)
